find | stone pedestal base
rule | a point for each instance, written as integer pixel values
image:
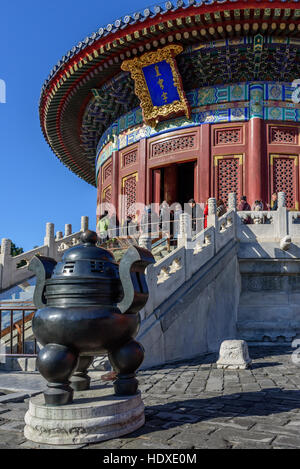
(95, 415)
(234, 355)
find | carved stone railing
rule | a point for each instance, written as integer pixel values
(13, 269)
(294, 226)
(262, 226)
(192, 253)
(165, 277)
(267, 226)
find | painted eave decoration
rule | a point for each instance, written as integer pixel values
(96, 61)
(158, 84)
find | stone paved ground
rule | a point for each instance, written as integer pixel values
(194, 405)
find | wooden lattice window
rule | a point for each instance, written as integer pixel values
(284, 135)
(130, 158)
(173, 145)
(107, 195)
(228, 176)
(130, 191)
(228, 136)
(284, 177)
(107, 171)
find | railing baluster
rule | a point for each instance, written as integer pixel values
(11, 329)
(8, 331)
(1, 333)
(23, 331)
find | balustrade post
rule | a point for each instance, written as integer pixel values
(281, 200)
(232, 201)
(145, 241)
(84, 223)
(49, 240)
(212, 218)
(281, 225)
(232, 205)
(5, 263)
(185, 230)
(68, 229)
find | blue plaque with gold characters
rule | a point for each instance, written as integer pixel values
(158, 84)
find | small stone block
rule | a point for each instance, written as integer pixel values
(234, 355)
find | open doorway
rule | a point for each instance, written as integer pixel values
(186, 182)
(174, 183)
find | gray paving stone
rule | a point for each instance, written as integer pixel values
(13, 397)
(238, 423)
(251, 445)
(287, 441)
(144, 444)
(242, 436)
(16, 425)
(11, 439)
(14, 414)
(32, 445)
(177, 417)
(275, 429)
(195, 405)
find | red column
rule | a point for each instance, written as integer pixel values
(115, 181)
(202, 185)
(142, 183)
(254, 166)
(156, 185)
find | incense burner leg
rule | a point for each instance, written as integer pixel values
(56, 363)
(80, 380)
(125, 361)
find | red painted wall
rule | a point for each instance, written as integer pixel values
(252, 158)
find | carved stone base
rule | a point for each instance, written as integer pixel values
(95, 415)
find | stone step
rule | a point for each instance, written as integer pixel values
(19, 364)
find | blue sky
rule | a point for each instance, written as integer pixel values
(35, 187)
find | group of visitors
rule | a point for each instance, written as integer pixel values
(258, 206)
(167, 221)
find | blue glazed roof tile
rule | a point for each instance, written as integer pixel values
(151, 12)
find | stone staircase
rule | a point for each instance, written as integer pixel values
(233, 280)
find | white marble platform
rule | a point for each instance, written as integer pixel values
(95, 415)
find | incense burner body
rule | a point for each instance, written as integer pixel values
(88, 305)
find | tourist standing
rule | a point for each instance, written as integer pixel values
(195, 212)
(205, 214)
(258, 206)
(164, 218)
(245, 207)
(221, 209)
(274, 202)
(176, 227)
(102, 227)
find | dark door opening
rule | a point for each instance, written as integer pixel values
(185, 182)
(174, 183)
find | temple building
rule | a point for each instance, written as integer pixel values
(188, 99)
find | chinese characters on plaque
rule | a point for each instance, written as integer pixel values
(158, 84)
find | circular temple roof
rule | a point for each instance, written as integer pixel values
(87, 91)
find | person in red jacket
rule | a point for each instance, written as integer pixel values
(205, 215)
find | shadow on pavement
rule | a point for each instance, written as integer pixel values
(268, 402)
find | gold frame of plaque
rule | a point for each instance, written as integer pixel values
(152, 113)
